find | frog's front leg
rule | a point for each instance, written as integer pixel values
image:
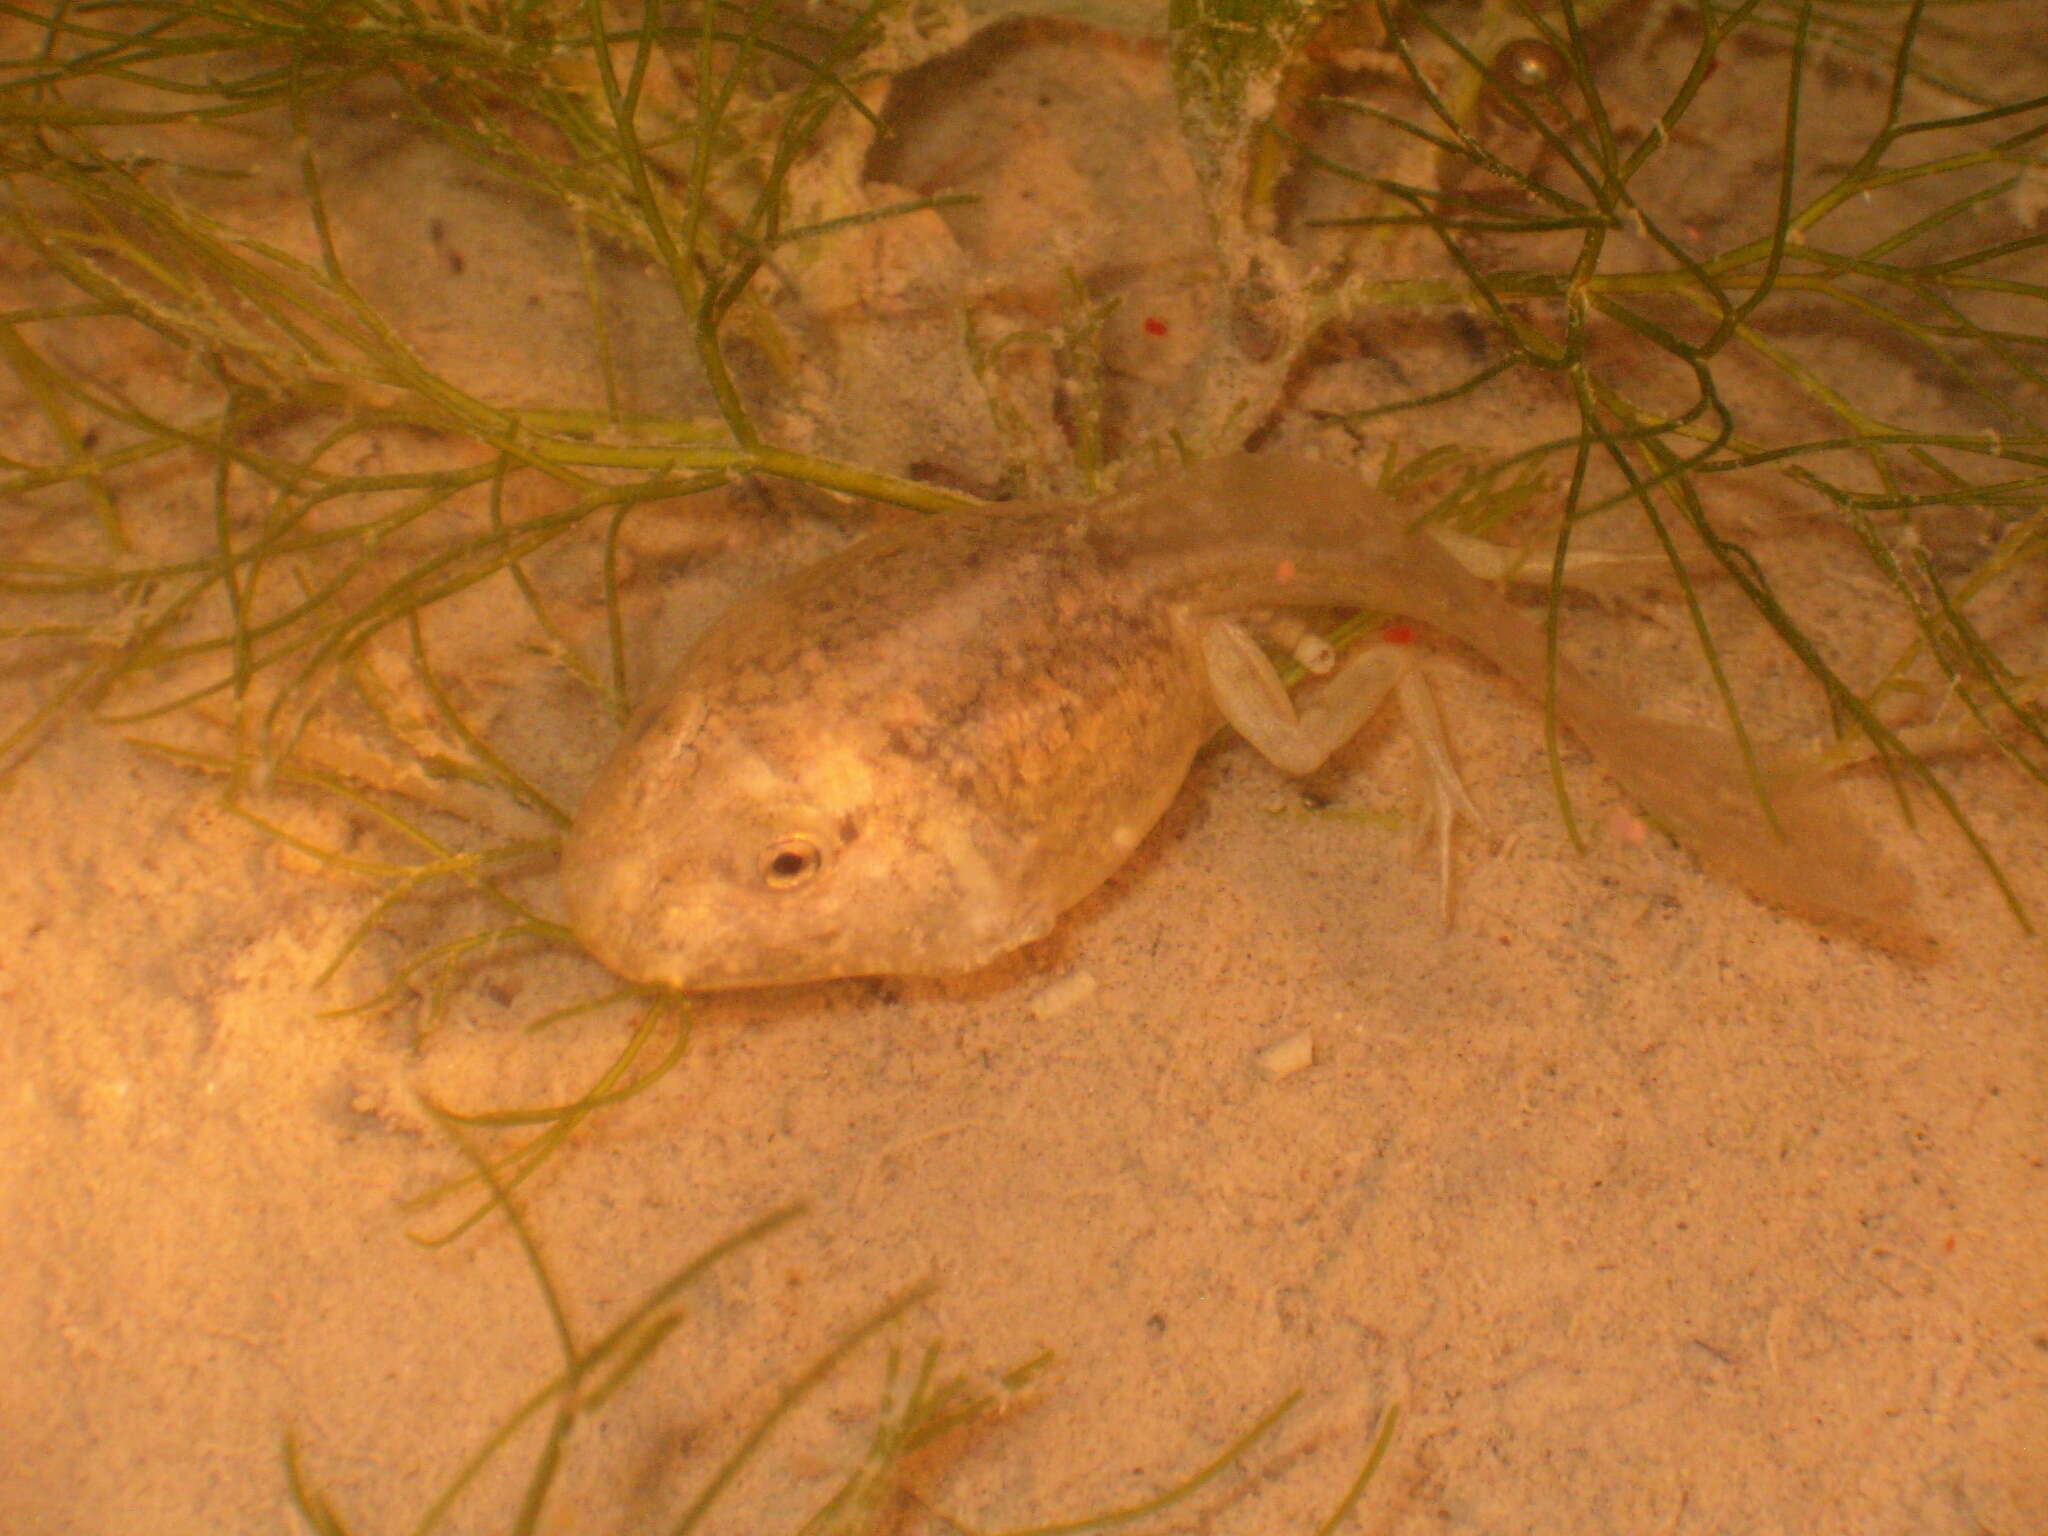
(1257, 704)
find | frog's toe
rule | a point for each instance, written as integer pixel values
(1445, 800)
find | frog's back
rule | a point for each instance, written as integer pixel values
(993, 646)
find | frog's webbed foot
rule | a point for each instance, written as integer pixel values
(1295, 740)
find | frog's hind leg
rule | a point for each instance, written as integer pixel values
(1299, 740)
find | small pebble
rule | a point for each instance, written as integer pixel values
(1627, 828)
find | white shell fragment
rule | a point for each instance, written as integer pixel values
(1064, 995)
(1286, 1057)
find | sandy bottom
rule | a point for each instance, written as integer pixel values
(1653, 1210)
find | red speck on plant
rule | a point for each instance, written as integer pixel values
(1154, 326)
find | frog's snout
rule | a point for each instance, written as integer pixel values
(601, 891)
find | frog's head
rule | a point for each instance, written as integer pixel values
(732, 846)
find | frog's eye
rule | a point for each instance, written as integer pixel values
(788, 862)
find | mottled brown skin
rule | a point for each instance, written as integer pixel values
(912, 757)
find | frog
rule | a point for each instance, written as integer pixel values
(913, 757)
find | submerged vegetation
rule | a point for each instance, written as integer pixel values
(917, 1408)
(238, 491)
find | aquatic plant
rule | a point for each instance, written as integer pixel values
(917, 1407)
